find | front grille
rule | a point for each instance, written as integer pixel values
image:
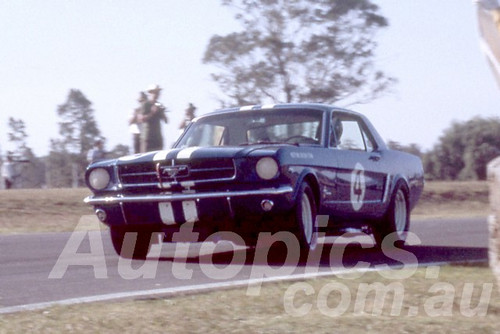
(197, 171)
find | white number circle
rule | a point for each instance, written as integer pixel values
(358, 186)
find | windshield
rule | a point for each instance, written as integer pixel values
(255, 127)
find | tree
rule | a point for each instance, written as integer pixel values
(299, 50)
(59, 166)
(17, 134)
(120, 150)
(78, 127)
(412, 148)
(464, 150)
(78, 130)
(29, 169)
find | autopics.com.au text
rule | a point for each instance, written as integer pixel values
(333, 299)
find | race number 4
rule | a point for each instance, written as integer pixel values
(358, 187)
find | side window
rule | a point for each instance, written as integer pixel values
(348, 134)
(352, 137)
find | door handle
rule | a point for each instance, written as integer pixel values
(375, 157)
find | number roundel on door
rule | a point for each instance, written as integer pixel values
(358, 187)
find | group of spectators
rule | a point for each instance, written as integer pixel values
(145, 124)
(145, 121)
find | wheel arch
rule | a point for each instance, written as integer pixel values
(397, 181)
(310, 178)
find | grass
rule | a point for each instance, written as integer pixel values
(58, 210)
(42, 210)
(233, 311)
(453, 199)
(430, 304)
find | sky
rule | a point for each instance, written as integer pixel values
(112, 50)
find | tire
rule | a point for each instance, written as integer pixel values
(305, 219)
(124, 245)
(396, 222)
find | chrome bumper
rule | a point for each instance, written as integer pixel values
(169, 197)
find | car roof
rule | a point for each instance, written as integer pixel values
(297, 106)
(291, 106)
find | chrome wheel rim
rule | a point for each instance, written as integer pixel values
(400, 214)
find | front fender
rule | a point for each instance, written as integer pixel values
(307, 175)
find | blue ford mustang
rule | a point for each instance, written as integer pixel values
(261, 168)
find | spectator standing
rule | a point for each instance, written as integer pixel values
(8, 172)
(135, 123)
(97, 152)
(153, 112)
(189, 116)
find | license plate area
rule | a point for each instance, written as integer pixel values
(179, 212)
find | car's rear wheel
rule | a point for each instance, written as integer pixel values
(396, 222)
(305, 219)
(129, 247)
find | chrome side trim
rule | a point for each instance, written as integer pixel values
(387, 188)
(169, 197)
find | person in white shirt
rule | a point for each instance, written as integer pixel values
(135, 123)
(8, 172)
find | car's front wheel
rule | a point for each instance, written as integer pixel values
(396, 222)
(305, 219)
(131, 244)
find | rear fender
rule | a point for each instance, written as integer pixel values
(396, 181)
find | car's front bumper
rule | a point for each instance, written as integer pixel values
(171, 197)
(219, 210)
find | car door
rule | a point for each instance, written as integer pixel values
(360, 180)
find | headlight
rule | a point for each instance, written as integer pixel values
(99, 178)
(267, 168)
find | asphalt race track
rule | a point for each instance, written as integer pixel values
(35, 271)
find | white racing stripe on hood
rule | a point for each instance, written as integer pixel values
(162, 155)
(131, 157)
(187, 152)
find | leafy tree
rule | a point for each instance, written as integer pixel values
(411, 148)
(119, 151)
(299, 50)
(78, 127)
(17, 134)
(78, 130)
(30, 171)
(59, 166)
(464, 150)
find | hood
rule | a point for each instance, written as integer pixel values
(196, 153)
